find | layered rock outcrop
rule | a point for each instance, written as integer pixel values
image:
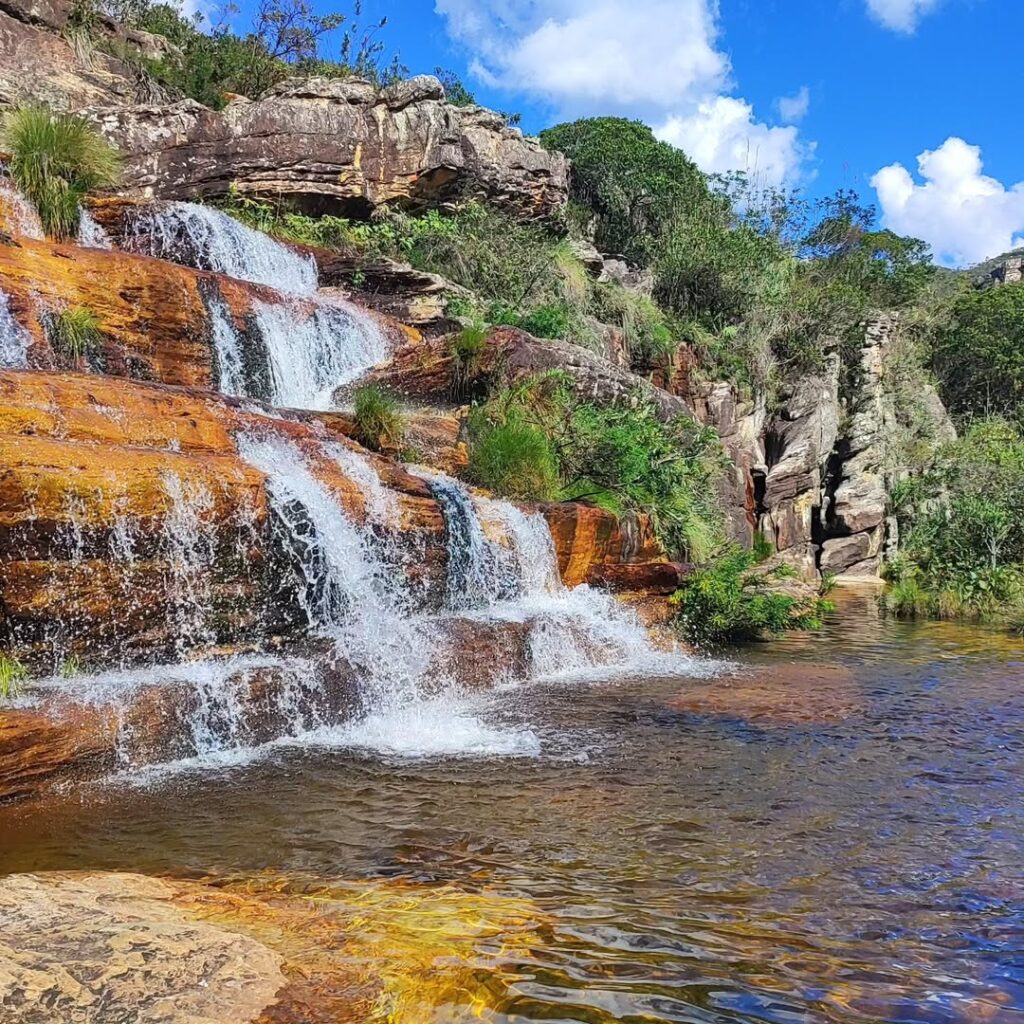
(40, 61)
(425, 371)
(341, 145)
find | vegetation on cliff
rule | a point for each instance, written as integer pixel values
(56, 160)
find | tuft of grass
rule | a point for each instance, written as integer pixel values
(56, 160)
(379, 420)
(12, 677)
(71, 667)
(73, 333)
(514, 459)
(466, 349)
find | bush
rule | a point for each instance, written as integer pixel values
(647, 331)
(979, 356)
(12, 677)
(378, 419)
(74, 333)
(56, 160)
(732, 600)
(466, 348)
(963, 529)
(624, 460)
(514, 459)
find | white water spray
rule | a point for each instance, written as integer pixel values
(90, 234)
(14, 339)
(203, 237)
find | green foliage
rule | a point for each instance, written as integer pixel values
(56, 160)
(285, 38)
(963, 525)
(455, 91)
(12, 677)
(71, 667)
(466, 348)
(730, 599)
(379, 422)
(632, 186)
(648, 331)
(625, 460)
(74, 333)
(979, 355)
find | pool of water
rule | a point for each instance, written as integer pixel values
(830, 830)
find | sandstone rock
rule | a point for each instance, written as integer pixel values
(853, 556)
(39, 63)
(424, 371)
(82, 947)
(650, 578)
(337, 144)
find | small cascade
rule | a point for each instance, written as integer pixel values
(14, 339)
(310, 356)
(90, 234)
(208, 239)
(502, 563)
(350, 591)
(18, 216)
(227, 350)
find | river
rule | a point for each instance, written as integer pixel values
(830, 829)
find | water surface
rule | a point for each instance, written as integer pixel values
(834, 832)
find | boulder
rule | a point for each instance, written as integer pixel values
(425, 371)
(339, 145)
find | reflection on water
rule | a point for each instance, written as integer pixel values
(834, 833)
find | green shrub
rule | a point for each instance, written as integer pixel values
(74, 333)
(466, 348)
(979, 356)
(513, 459)
(647, 330)
(56, 160)
(378, 418)
(730, 599)
(551, 321)
(12, 677)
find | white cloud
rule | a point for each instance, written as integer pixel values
(653, 59)
(901, 15)
(722, 135)
(965, 215)
(793, 109)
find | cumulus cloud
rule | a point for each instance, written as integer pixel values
(965, 215)
(653, 59)
(793, 109)
(901, 15)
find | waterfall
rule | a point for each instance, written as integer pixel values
(310, 356)
(502, 562)
(227, 350)
(90, 234)
(14, 339)
(17, 215)
(350, 590)
(203, 237)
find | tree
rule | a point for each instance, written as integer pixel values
(979, 357)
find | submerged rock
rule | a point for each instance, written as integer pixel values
(88, 947)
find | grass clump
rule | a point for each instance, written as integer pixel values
(12, 677)
(732, 599)
(56, 160)
(74, 333)
(466, 348)
(379, 422)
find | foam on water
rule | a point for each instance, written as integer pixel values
(203, 237)
(14, 339)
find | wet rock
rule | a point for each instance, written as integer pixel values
(337, 144)
(77, 948)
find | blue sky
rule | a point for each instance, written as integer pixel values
(815, 93)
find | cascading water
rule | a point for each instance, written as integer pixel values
(310, 357)
(90, 234)
(228, 350)
(14, 339)
(202, 237)
(21, 216)
(571, 631)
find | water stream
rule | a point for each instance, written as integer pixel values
(833, 833)
(14, 339)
